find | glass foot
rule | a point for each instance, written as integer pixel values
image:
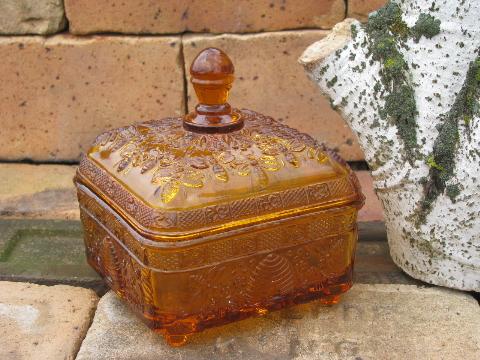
(176, 340)
(329, 299)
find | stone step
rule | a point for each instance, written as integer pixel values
(370, 322)
(38, 191)
(47, 192)
(45, 252)
(52, 252)
(41, 237)
(43, 322)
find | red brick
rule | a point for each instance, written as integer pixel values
(216, 16)
(58, 93)
(372, 210)
(359, 9)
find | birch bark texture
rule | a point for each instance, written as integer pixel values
(408, 84)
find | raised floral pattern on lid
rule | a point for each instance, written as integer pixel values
(174, 159)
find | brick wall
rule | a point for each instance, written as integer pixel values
(71, 69)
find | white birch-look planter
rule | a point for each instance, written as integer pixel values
(430, 189)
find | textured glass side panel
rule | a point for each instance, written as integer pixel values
(245, 275)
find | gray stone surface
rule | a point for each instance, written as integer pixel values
(371, 322)
(52, 252)
(46, 252)
(31, 17)
(43, 322)
(38, 191)
(373, 264)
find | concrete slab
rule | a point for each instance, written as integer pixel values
(371, 322)
(45, 252)
(43, 322)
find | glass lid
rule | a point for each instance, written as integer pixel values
(235, 162)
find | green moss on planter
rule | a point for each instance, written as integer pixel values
(466, 105)
(444, 151)
(400, 105)
(395, 64)
(389, 17)
(354, 31)
(453, 191)
(431, 162)
(427, 26)
(323, 70)
(332, 81)
(386, 31)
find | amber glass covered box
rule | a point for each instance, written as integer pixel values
(217, 216)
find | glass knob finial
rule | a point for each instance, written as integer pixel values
(212, 77)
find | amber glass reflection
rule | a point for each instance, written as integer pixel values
(217, 216)
(185, 289)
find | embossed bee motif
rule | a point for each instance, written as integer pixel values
(273, 276)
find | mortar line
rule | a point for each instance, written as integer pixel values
(184, 75)
(158, 35)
